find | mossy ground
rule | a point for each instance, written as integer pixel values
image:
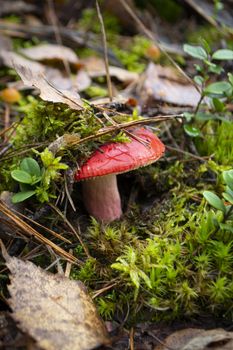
(168, 261)
(166, 258)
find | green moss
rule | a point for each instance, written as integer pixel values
(96, 91)
(207, 32)
(171, 260)
(217, 142)
(89, 20)
(133, 57)
(41, 123)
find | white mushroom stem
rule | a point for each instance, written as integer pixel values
(101, 198)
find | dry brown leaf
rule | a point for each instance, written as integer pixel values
(82, 80)
(5, 43)
(33, 74)
(51, 52)
(55, 311)
(164, 84)
(11, 338)
(59, 79)
(215, 339)
(95, 68)
(198, 339)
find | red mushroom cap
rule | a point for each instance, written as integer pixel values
(117, 158)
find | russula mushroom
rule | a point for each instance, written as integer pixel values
(100, 193)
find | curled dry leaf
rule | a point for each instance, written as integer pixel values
(198, 339)
(55, 311)
(50, 52)
(33, 75)
(165, 84)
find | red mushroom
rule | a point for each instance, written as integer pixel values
(100, 193)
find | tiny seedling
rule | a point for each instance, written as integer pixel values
(34, 180)
(28, 175)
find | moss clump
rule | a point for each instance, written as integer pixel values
(96, 91)
(134, 56)
(42, 123)
(90, 20)
(173, 261)
(131, 52)
(217, 142)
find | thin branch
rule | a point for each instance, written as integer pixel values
(109, 83)
(151, 36)
(30, 231)
(54, 22)
(77, 234)
(68, 140)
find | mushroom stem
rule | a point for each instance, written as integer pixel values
(101, 198)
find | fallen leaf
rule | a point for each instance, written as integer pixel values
(165, 84)
(95, 67)
(78, 82)
(55, 311)
(198, 339)
(5, 42)
(123, 75)
(82, 80)
(216, 339)
(11, 337)
(33, 74)
(16, 7)
(50, 52)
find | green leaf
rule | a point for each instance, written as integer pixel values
(191, 130)
(228, 197)
(214, 68)
(22, 196)
(228, 178)
(223, 54)
(35, 179)
(21, 176)
(229, 191)
(25, 187)
(195, 51)
(226, 227)
(198, 80)
(30, 166)
(214, 200)
(188, 116)
(230, 77)
(218, 88)
(202, 116)
(198, 68)
(218, 104)
(206, 45)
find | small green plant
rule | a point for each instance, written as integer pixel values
(128, 265)
(225, 204)
(34, 180)
(217, 93)
(28, 175)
